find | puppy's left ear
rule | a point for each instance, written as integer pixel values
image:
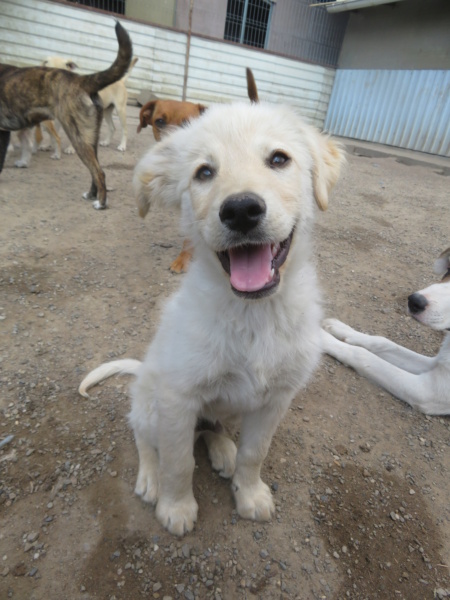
(156, 179)
(328, 158)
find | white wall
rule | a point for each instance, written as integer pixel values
(35, 29)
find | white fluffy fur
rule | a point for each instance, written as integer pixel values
(217, 355)
(421, 381)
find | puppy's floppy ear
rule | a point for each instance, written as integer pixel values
(156, 179)
(201, 108)
(146, 114)
(442, 264)
(328, 158)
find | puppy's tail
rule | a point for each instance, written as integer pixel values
(127, 366)
(95, 82)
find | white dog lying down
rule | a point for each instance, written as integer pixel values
(241, 336)
(421, 381)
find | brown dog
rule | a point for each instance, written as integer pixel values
(162, 113)
(31, 95)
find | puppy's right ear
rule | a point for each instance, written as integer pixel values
(156, 179)
(146, 114)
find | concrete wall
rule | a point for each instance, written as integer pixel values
(406, 35)
(161, 12)
(35, 29)
(305, 32)
(295, 29)
(208, 17)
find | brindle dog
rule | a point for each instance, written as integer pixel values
(33, 94)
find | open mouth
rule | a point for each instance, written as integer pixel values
(254, 269)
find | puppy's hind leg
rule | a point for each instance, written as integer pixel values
(221, 451)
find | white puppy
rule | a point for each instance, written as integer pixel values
(242, 335)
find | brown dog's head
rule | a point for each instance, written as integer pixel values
(163, 113)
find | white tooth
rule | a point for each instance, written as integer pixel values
(272, 273)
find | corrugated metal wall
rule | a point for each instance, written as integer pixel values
(408, 109)
(31, 30)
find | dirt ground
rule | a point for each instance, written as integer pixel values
(361, 481)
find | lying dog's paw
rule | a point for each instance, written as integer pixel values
(179, 516)
(121, 147)
(340, 330)
(222, 453)
(254, 501)
(55, 156)
(69, 150)
(104, 143)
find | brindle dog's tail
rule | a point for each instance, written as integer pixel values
(95, 82)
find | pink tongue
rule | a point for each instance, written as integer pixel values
(250, 267)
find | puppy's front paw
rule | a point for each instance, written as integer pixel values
(179, 516)
(121, 147)
(253, 501)
(69, 150)
(104, 143)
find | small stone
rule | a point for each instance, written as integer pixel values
(186, 550)
(157, 587)
(19, 570)
(263, 554)
(274, 486)
(32, 537)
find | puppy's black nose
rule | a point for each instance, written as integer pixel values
(242, 212)
(417, 303)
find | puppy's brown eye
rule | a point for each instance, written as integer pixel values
(278, 159)
(204, 173)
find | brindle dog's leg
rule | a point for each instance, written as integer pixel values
(4, 142)
(84, 135)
